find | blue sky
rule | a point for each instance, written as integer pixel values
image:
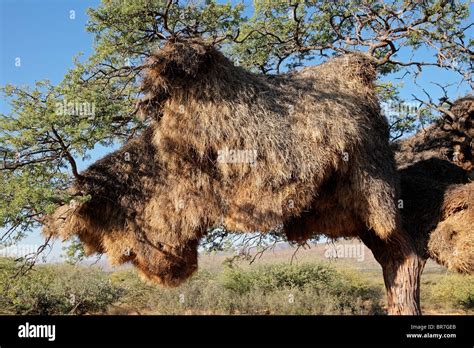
(45, 37)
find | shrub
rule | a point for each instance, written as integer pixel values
(56, 289)
(301, 289)
(197, 296)
(309, 288)
(271, 289)
(452, 290)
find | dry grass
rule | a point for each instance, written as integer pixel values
(316, 284)
(313, 284)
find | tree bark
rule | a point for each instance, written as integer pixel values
(402, 268)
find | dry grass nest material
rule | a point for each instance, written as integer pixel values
(230, 148)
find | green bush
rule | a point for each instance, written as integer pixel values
(451, 290)
(272, 289)
(277, 288)
(55, 289)
(308, 288)
(277, 276)
(199, 295)
(301, 289)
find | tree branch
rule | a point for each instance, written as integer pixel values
(68, 155)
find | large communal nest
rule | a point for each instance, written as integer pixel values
(436, 168)
(230, 148)
(112, 220)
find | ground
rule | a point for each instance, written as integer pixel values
(314, 283)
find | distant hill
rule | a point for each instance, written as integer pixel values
(350, 254)
(345, 253)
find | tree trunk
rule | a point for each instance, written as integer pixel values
(402, 268)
